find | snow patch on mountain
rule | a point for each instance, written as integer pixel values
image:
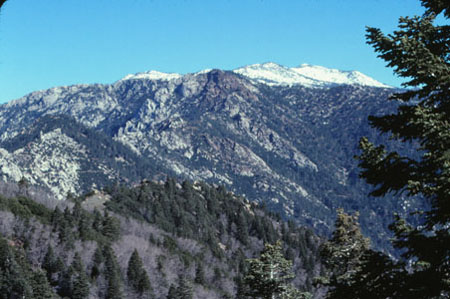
(203, 71)
(274, 74)
(152, 75)
(156, 75)
(306, 75)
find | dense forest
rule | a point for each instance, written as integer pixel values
(146, 241)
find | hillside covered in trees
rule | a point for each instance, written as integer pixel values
(152, 240)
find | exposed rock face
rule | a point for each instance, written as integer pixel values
(292, 146)
(52, 161)
(65, 157)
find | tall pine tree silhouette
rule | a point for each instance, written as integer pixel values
(420, 52)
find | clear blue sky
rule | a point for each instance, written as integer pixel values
(46, 43)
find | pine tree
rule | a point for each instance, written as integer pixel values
(97, 224)
(134, 270)
(49, 263)
(110, 227)
(80, 282)
(136, 274)
(112, 274)
(14, 279)
(41, 287)
(343, 252)
(56, 218)
(77, 211)
(77, 263)
(187, 190)
(114, 290)
(172, 294)
(80, 286)
(144, 286)
(376, 277)
(65, 283)
(170, 186)
(68, 216)
(65, 232)
(242, 289)
(199, 274)
(242, 228)
(23, 186)
(420, 52)
(184, 289)
(268, 277)
(59, 268)
(84, 227)
(97, 260)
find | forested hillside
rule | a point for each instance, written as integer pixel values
(191, 238)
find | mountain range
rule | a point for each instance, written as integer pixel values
(278, 135)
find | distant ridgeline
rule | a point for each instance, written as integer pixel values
(144, 241)
(282, 136)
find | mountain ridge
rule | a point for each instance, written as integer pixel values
(289, 146)
(275, 74)
(306, 75)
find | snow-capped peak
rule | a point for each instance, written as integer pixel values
(307, 75)
(152, 75)
(274, 74)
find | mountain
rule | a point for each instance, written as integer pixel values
(306, 75)
(153, 75)
(289, 145)
(274, 74)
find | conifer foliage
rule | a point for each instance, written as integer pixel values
(112, 273)
(80, 280)
(343, 256)
(136, 274)
(40, 286)
(17, 279)
(72, 252)
(420, 52)
(343, 252)
(268, 277)
(182, 291)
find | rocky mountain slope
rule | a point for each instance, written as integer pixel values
(285, 142)
(66, 157)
